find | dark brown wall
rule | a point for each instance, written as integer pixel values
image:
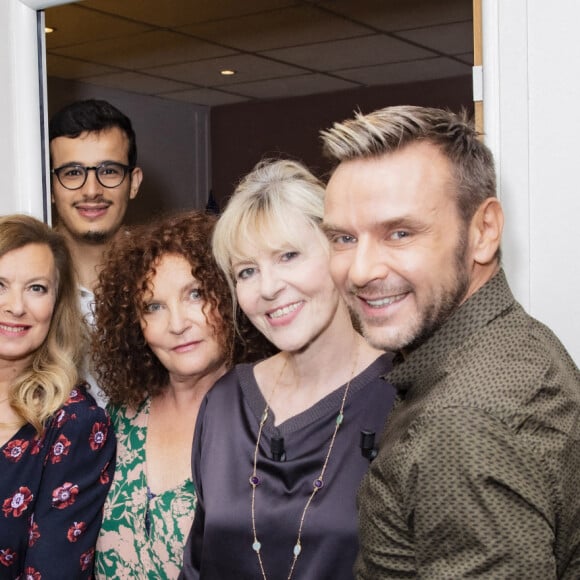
(245, 133)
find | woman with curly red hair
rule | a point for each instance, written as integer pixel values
(164, 335)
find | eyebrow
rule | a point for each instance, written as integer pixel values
(390, 224)
(242, 262)
(95, 164)
(34, 280)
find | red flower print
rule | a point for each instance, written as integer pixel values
(76, 531)
(33, 533)
(75, 396)
(98, 436)
(37, 444)
(104, 477)
(64, 495)
(87, 559)
(7, 557)
(14, 450)
(60, 418)
(18, 503)
(31, 574)
(59, 449)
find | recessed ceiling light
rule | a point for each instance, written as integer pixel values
(227, 72)
(48, 29)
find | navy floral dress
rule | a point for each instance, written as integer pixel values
(52, 491)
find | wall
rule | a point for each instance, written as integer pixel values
(244, 133)
(172, 146)
(21, 175)
(531, 120)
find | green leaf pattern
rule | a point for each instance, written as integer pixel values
(124, 549)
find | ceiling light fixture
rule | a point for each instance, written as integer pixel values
(48, 29)
(227, 72)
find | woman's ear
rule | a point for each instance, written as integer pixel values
(486, 230)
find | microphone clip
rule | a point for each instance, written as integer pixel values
(367, 444)
(277, 449)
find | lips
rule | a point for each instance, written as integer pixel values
(284, 310)
(92, 210)
(13, 328)
(382, 302)
(187, 346)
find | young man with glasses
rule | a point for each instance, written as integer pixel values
(93, 157)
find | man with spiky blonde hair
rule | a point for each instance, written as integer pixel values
(479, 466)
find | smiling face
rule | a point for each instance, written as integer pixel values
(92, 213)
(400, 253)
(28, 289)
(175, 326)
(286, 291)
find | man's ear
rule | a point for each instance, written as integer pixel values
(136, 179)
(486, 230)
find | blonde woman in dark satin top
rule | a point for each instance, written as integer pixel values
(276, 454)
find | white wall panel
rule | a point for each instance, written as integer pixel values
(531, 121)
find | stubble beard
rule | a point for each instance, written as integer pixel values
(95, 238)
(428, 318)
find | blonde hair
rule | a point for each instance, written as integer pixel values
(41, 389)
(259, 210)
(393, 128)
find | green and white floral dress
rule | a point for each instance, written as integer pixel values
(142, 535)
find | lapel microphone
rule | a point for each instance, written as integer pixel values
(277, 448)
(367, 444)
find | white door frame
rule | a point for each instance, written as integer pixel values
(24, 184)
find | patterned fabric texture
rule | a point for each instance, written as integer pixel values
(141, 536)
(478, 475)
(52, 490)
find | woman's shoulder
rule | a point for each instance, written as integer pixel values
(82, 404)
(80, 413)
(129, 414)
(382, 364)
(236, 376)
(231, 387)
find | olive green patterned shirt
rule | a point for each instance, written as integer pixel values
(478, 475)
(142, 535)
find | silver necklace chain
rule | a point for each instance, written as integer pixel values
(317, 484)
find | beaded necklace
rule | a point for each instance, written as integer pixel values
(317, 484)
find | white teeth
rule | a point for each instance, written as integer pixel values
(384, 301)
(13, 329)
(284, 311)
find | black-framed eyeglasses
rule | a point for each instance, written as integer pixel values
(109, 174)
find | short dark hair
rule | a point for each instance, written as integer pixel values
(91, 116)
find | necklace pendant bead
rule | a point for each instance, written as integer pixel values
(256, 546)
(318, 484)
(297, 550)
(254, 480)
(339, 419)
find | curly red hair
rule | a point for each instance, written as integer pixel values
(127, 369)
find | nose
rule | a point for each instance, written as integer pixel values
(13, 303)
(369, 262)
(179, 321)
(92, 185)
(270, 283)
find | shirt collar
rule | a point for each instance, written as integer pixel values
(429, 362)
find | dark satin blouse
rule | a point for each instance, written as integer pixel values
(220, 545)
